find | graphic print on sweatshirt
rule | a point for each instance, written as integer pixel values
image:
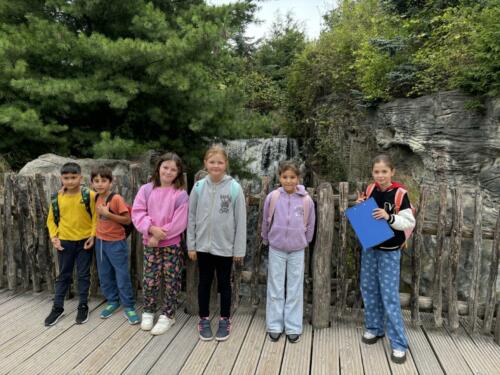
(225, 203)
(299, 211)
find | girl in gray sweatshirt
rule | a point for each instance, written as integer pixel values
(216, 236)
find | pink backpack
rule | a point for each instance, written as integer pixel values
(398, 201)
(275, 195)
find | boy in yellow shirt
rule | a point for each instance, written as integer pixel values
(72, 227)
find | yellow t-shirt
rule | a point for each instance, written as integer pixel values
(74, 221)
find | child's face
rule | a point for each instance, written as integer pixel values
(216, 166)
(168, 172)
(71, 182)
(289, 180)
(382, 174)
(101, 184)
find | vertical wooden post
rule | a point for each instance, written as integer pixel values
(497, 326)
(257, 258)
(416, 258)
(476, 260)
(307, 269)
(136, 247)
(455, 244)
(437, 292)
(492, 282)
(2, 229)
(9, 232)
(322, 257)
(342, 259)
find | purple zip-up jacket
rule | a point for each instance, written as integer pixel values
(287, 232)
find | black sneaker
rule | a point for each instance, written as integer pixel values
(274, 336)
(398, 356)
(369, 338)
(82, 316)
(293, 338)
(224, 329)
(54, 316)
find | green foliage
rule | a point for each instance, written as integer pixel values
(137, 70)
(118, 148)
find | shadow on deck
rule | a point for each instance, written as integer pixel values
(112, 346)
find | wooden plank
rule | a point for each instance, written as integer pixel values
(225, 354)
(99, 357)
(154, 349)
(71, 346)
(87, 345)
(349, 350)
(17, 302)
(248, 358)
(473, 355)
(21, 335)
(6, 320)
(476, 259)
(448, 354)
(297, 357)
(271, 357)
(342, 255)
(421, 350)
(486, 344)
(325, 352)
(201, 354)
(41, 340)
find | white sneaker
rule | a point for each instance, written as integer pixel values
(162, 325)
(147, 321)
(398, 356)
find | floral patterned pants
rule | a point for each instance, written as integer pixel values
(162, 264)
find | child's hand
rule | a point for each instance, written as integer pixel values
(192, 255)
(361, 197)
(153, 242)
(380, 213)
(158, 233)
(103, 210)
(56, 242)
(238, 260)
(89, 243)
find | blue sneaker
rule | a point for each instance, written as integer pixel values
(205, 330)
(131, 315)
(109, 310)
(224, 329)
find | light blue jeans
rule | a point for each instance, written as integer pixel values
(285, 313)
(380, 290)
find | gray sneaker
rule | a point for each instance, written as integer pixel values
(224, 329)
(205, 330)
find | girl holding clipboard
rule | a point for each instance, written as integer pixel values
(380, 265)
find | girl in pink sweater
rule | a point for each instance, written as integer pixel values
(160, 213)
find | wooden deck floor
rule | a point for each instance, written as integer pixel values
(112, 346)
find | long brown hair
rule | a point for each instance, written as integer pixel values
(179, 180)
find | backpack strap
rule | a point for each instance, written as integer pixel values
(235, 190)
(148, 188)
(199, 185)
(369, 190)
(306, 199)
(55, 207)
(398, 199)
(275, 195)
(86, 200)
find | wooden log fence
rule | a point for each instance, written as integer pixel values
(27, 258)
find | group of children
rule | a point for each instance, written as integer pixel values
(214, 214)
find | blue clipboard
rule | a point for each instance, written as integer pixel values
(370, 231)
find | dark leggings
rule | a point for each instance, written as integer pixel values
(207, 264)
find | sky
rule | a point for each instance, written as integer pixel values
(307, 12)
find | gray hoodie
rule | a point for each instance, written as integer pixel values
(216, 225)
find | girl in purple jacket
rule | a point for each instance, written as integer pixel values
(287, 227)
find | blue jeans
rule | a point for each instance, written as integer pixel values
(284, 313)
(73, 253)
(112, 265)
(380, 289)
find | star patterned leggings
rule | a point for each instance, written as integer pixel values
(380, 290)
